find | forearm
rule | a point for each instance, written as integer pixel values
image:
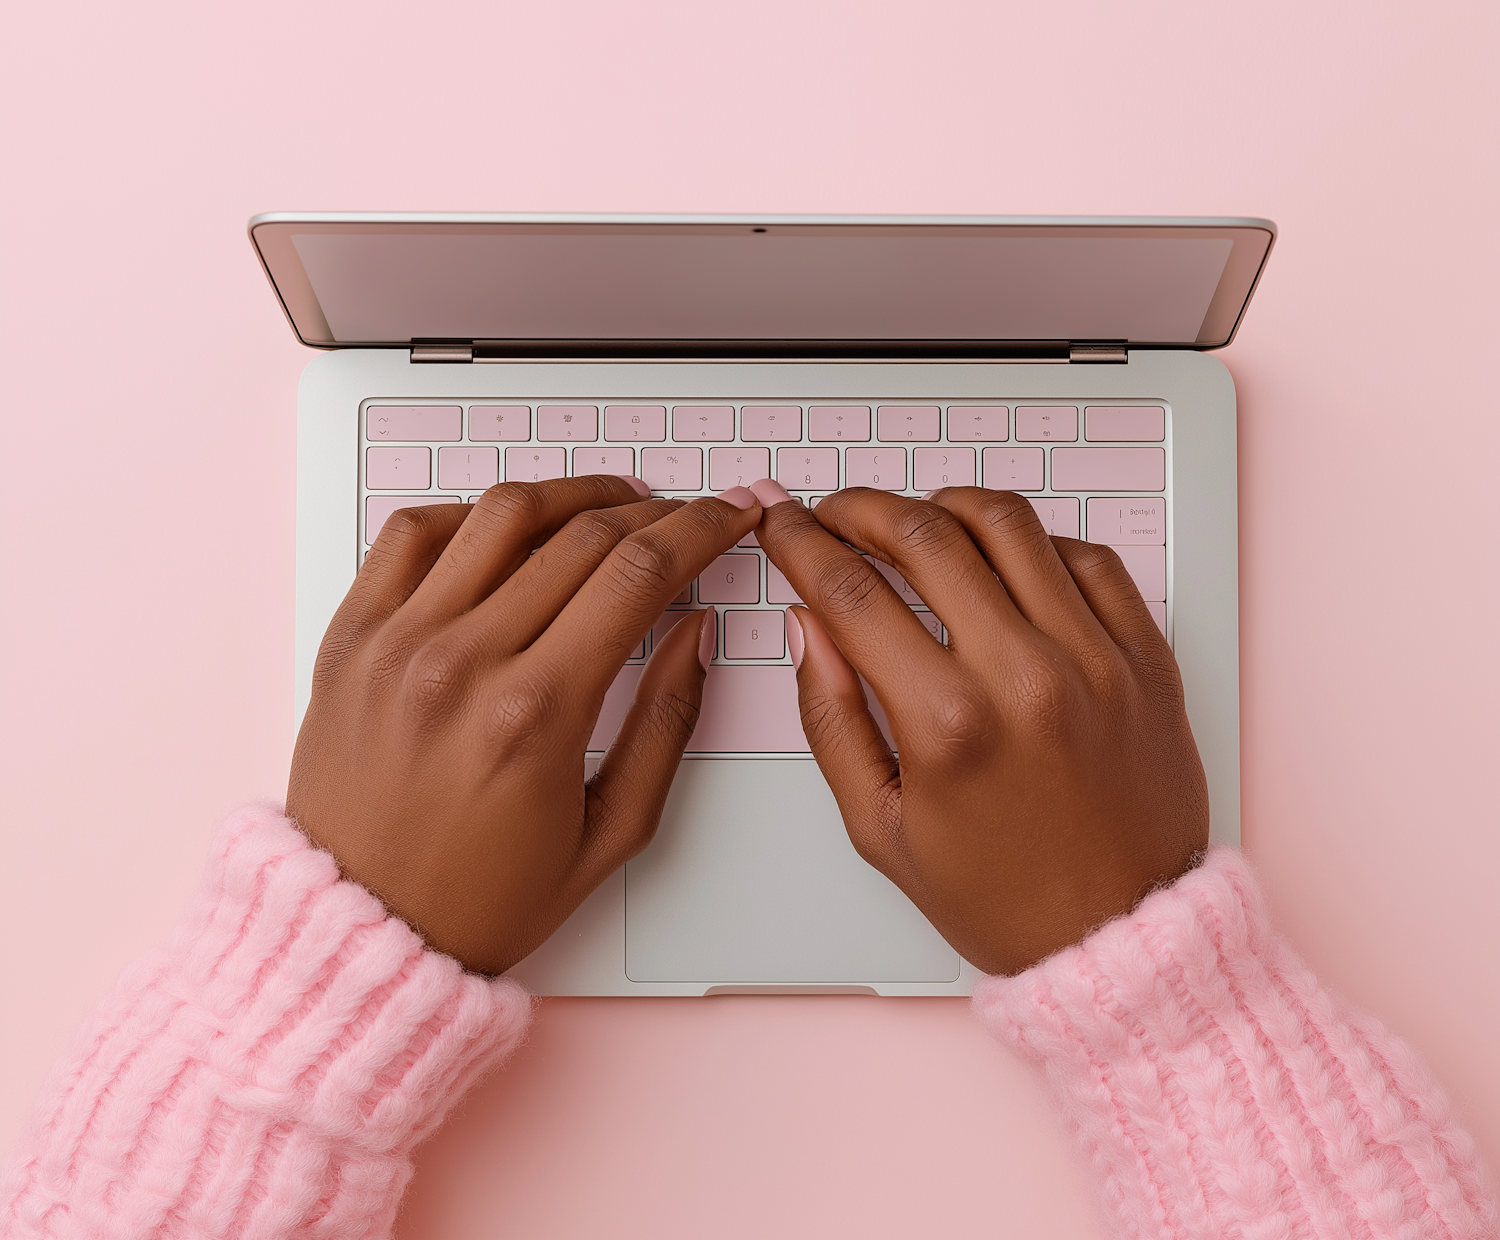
(1216, 1089)
(266, 1074)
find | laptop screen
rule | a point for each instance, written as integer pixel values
(362, 281)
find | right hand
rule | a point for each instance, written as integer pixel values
(1047, 778)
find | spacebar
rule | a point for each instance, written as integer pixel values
(745, 710)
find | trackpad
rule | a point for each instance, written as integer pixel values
(751, 878)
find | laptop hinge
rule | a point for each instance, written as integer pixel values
(442, 353)
(1097, 353)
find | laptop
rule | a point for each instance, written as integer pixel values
(1063, 358)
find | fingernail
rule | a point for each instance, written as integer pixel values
(639, 487)
(769, 492)
(794, 643)
(709, 636)
(938, 491)
(740, 497)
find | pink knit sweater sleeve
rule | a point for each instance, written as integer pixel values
(1217, 1090)
(265, 1075)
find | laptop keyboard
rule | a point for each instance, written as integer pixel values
(1091, 471)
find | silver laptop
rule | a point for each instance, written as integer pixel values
(1061, 358)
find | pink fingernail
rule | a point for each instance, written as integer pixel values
(710, 636)
(794, 643)
(769, 492)
(639, 487)
(740, 497)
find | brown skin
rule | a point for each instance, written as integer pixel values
(1047, 781)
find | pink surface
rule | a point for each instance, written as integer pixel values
(148, 674)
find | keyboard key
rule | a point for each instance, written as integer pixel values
(1054, 422)
(1109, 469)
(1138, 423)
(1125, 521)
(1159, 614)
(433, 422)
(830, 423)
(531, 464)
(580, 422)
(900, 423)
(712, 422)
(1013, 469)
(737, 467)
(931, 623)
(639, 652)
(1147, 566)
(378, 509)
(1059, 514)
(463, 468)
(493, 422)
(686, 596)
(749, 540)
(897, 582)
(670, 620)
(882, 468)
(603, 461)
(747, 708)
(731, 579)
(647, 423)
(808, 469)
(986, 423)
(941, 467)
(668, 469)
(773, 422)
(778, 589)
(394, 469)
(754, 634)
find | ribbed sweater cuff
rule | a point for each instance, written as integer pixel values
(268, 1072)
(1217, 1090)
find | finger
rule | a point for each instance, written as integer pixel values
(507, 523)
(519, 612)
(874, 629)
(847, 742)
(1007, 530)
(932, 550)
(1111, 593)
(609, 615)
(624, 800)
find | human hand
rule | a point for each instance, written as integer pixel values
(1048, 779)
(441, 758)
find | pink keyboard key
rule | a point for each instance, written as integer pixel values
(433, 422)
(466, 468)
(1109, 469)
(640, 651)
(1126, 521)
(754, 634)
(378, 509)
(1159, 614)
(746, 709)
(535, 464)
(670, 620)
(941, 467)
(579, 422)
(882, 468)
(778, 589)
(711, 422)
(737, 467)
(1059, 514)
(647, 423)
(1129, 423)
(1054, 422)
(846, 423)
(393, 469)
(686, 596)
(672, 469)
(773, 422)
(494, 422)
(603, 461)
(1013, 469)
(749, 540)
(731, 579)
(808, 469)
(986, 423)
(1147, 566)
(907, 423)
(897, 582)
(931, 623)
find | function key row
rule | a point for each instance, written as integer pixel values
(766, 423)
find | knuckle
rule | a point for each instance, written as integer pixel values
(594, 534)
(511, 503)
(1098, 561)
(435, 676)
(961, 728)
(925, 529)
(846, 585)
(643, 561)
(519, 710)
(670, 720)
(1012, 517)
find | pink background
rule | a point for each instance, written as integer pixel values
(148, 433)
